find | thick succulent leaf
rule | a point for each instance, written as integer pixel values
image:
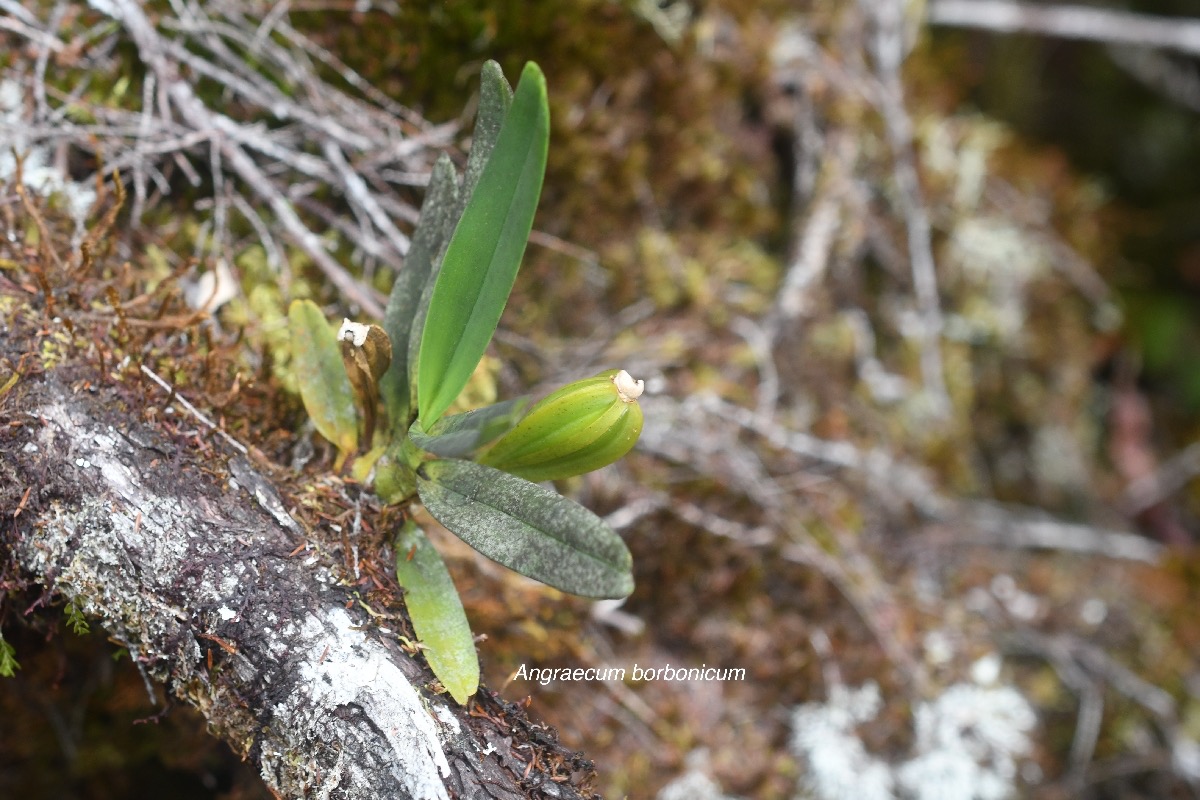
(439, 212)
(462, 434)
(495, 98)
(321, 376)
(535, 531)
(481, 262)
(437, 613)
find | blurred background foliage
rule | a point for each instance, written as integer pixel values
(1141, 148)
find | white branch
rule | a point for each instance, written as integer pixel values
(887, 49)
(1070, 22)
(1013, 529)
(1172, 476)
(1171, 76)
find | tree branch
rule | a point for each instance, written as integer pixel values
(1069, 22)
(217, 600)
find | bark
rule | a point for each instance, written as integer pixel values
(193, 571)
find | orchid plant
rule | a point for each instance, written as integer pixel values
(387, 388)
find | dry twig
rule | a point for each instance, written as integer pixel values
(293, 133)
(1177, 472)
(1070, 22)
(888, 51)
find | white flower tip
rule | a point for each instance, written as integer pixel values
(628, 389)
(353, 332)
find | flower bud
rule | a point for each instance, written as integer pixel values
(581, 427)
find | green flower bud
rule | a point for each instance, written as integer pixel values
(581, 427)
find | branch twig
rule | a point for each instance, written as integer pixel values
(1070, 22)
(290, 138)
(887, 49)
(195, 412)
(1172, 476)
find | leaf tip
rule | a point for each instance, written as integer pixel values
(534, 73)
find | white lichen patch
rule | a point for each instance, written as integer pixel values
(446, 719)
(986, 670)
(1002, 260)
(839, 766)
(110, 554)
(968, 742)
(37, 173)
(116, 473)
(343, 668)
(137, 517)
(939, 647)
(1058, 459)
(695, 783)
(960, 149)
(229, 584)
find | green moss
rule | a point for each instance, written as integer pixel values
(55, 348)
(8, 659)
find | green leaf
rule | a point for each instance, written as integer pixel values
(462, 434)
(321, 376)
(8, 659)
(439, 212)
(532, 530)
(481, 262)
(436, 612)
(76, 621)
(495, 98)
